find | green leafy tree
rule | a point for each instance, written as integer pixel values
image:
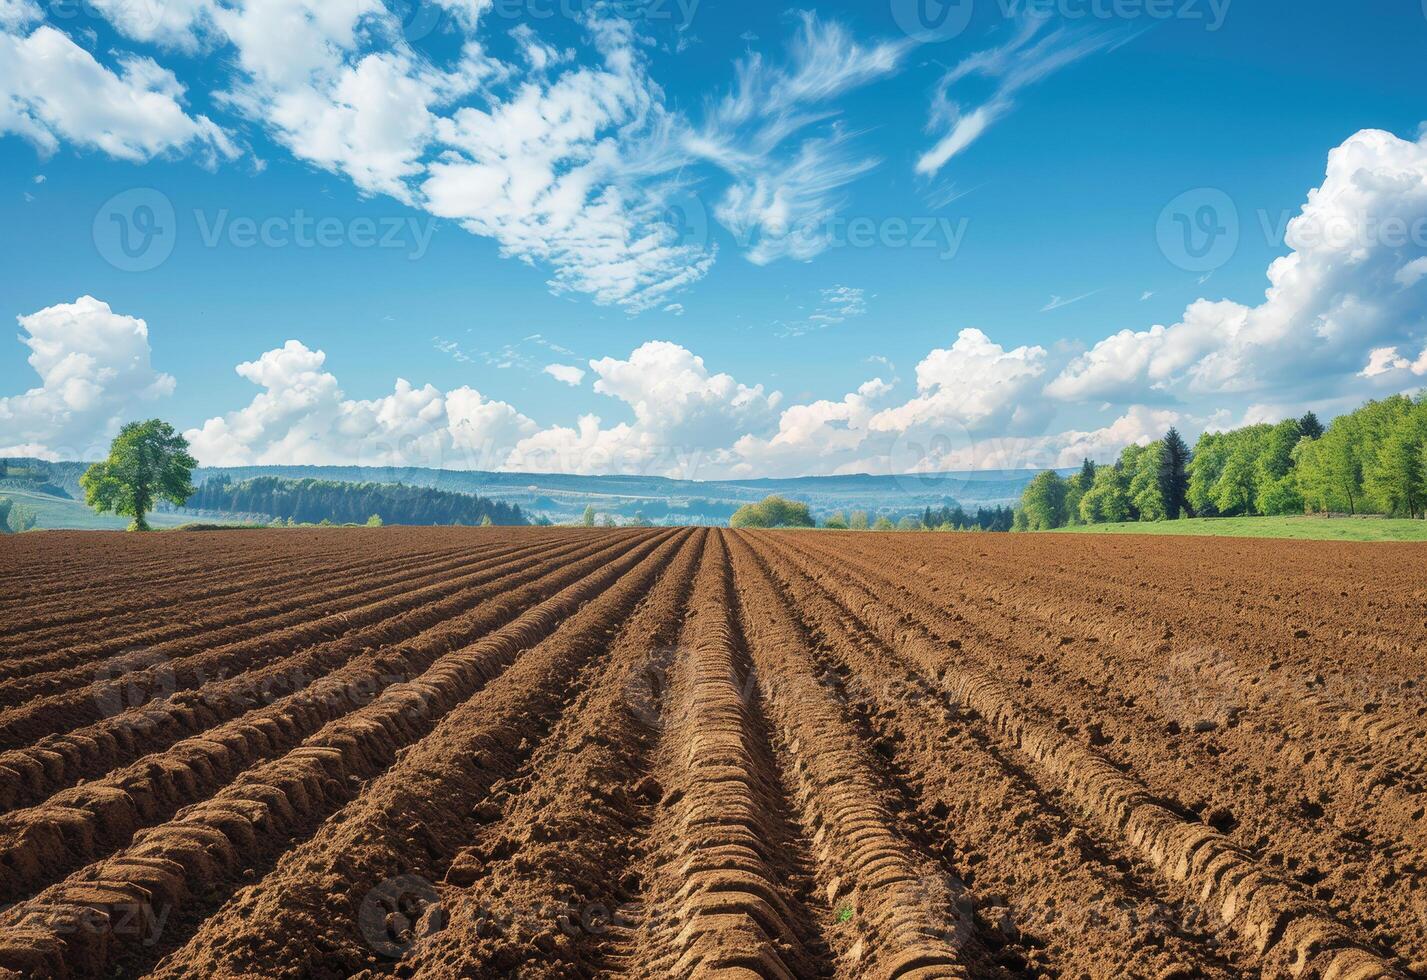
(1146, 490)
(1310, 427)
(1087, 474)
(148, 462)
(1237, 486)
(1397, 476)
(1043, 502)
(589, 519)
(1174, 475)
(836, 522)
(374, 521)
(1107, 502)
(909, 523)
(857, 520)
(883, 524)
(486, 521)
(1211, 452)
(1019, 522)
(773, 511)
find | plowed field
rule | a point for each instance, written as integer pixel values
(693, 753)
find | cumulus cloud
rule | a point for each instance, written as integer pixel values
(976, 384)
(683, 416)
(567, 373)
(302, 416)
(52, 90)
(15, 14)
(95, 373)
(1348, 291)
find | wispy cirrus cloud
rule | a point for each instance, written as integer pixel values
(775, 133)
(1060, 302)
(1037, 50)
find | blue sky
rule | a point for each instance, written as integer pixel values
(761, 263)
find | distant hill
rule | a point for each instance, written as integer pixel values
(563, 497)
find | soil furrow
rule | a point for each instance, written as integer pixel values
(1044, 891)
(1290, 933)
(327, 908)
(207, 848)
(177, 617)
(1288, 792)
(903, 915)
(716, 899)
(547, 878)
(189, 664)
(27, 676)
(29, 775)
(310, 612)
(77, 826)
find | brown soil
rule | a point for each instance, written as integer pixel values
(664, 753)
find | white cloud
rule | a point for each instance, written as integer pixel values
(302, 417)
(567, 173)
(1030, 56)
(1058, 302)
(1341, 296)
(1382, 360)
(684, 419)
(837, 305)
(52, 90)
(567, 373)
(783, 199)
(179, 24)
(95, 374)
(1412, 273)
(975, 385)
(675, 309)
(17, 14)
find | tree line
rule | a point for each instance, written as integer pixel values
(1371, 461)
(311, 501)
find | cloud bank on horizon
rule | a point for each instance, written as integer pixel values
(570, 158)
(1342, 304)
